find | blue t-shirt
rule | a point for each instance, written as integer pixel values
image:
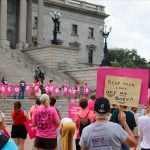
(10, 145)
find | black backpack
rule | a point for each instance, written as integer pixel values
(83, 122)
(3, 139)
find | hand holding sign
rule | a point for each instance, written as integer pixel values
(122, 117)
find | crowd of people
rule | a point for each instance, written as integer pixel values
(64, 91)
(97, 126)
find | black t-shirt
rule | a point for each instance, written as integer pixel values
(129, 118)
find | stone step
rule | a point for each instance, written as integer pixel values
(7, 107)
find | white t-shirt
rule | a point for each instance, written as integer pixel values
(144, 131)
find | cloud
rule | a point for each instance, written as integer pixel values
(130, 23)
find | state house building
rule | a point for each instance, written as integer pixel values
(27, 23)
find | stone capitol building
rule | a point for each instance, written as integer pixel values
(26, 25)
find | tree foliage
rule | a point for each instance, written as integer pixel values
(126, 58)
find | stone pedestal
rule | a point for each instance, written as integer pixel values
(4, 44)
(22, 45)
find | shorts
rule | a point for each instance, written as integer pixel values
(45, 143)
(19, 131)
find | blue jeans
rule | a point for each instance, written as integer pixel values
(21, 95)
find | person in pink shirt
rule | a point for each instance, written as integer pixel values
(45, 120)
(35, 107)
(84, 112)
(91, 103)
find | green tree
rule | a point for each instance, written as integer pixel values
(126, 58)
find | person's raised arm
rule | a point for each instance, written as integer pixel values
(130, 141)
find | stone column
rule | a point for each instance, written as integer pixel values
(29, 22)
(3, 25)
(40, 22)
(22, 25)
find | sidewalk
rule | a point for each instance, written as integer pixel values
(30, 142)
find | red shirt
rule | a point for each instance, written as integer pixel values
(18, 118)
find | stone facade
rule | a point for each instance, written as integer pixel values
(24, 23)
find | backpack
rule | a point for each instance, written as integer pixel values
(83, 122)
(3, 139)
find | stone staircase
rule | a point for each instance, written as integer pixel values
(88, 75)
(52, 56)
(15, 65)
(7, 106)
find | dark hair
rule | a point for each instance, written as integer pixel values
(50, 81)
(93, 97)
(83, 102)
(52, 100)
(37, 101)
(17, 106)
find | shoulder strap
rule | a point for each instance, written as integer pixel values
(85, 116)
(17, 115)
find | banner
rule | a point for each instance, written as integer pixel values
(65, 90)
(31, 131)
(36, 87)
(3, 88)
(9, 89)
(122, 90)
(73, 110)
(56, 90)
(27, 88)
(70, 90)
(16, 89)
(51, 87)
(47, 88)
(86, 90)
(142, 74)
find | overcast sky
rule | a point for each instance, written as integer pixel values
(130, 21)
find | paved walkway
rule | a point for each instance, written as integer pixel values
(29, 142)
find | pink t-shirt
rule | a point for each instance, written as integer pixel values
(83, 113)
(44, 119)
(33, 110)
(91, 105)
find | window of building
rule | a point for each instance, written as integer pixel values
(58, 27)
(90, 56)
(35, 25)
(91, 32)
(74, 29)
(10, 6)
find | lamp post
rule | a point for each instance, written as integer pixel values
(55, 17)
(105, 61)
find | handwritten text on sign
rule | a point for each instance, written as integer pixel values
(122, 90)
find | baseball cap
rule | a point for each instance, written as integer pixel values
(102, 105)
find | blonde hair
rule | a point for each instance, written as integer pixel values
(44, 99)
(1, 121)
